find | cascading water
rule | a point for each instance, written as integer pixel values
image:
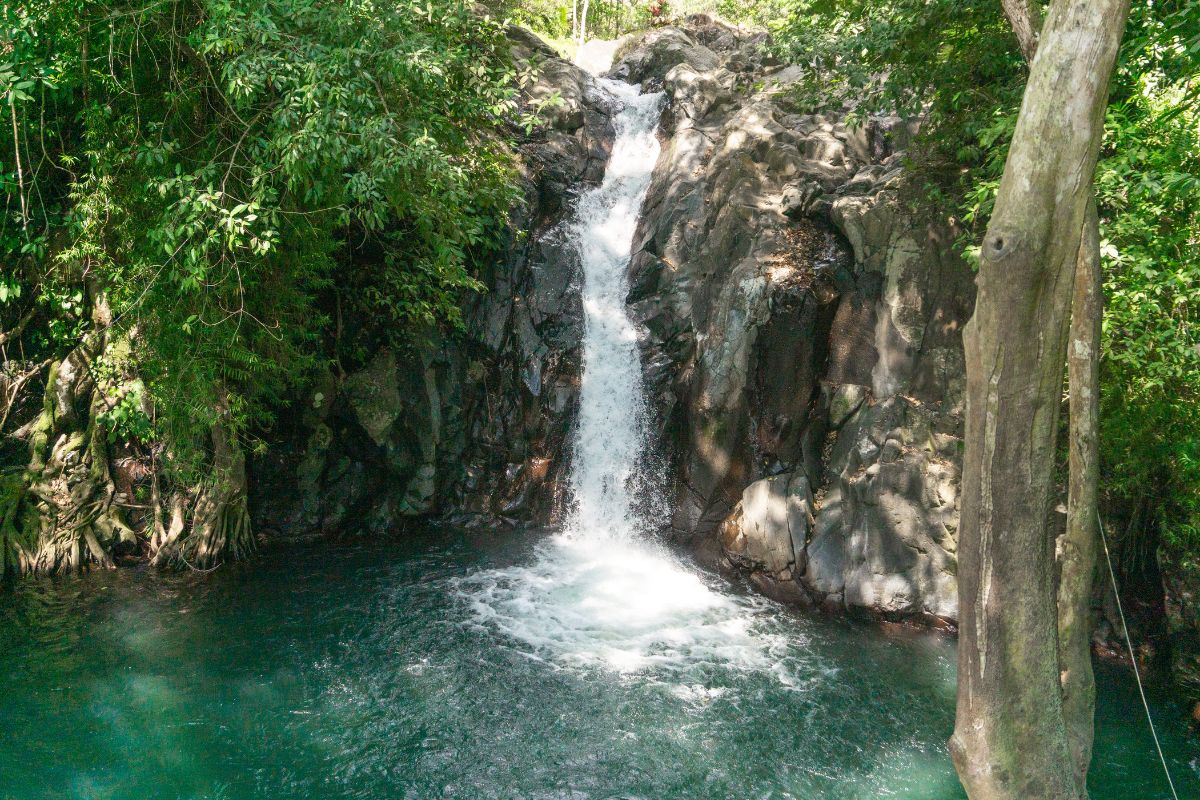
(601, 592)
(612, 431)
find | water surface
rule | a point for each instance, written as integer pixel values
(365, 671)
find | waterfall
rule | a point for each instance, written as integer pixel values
(612, 431)
(602, 592)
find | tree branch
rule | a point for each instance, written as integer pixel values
(1026, 20)
(10, 335)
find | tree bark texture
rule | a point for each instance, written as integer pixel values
(1025, 17)
(1010, 739)
(68, 478)
(1077, 550)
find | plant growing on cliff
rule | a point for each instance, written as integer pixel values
(212, 173)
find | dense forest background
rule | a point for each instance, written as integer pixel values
(201, 196)
(190, 187)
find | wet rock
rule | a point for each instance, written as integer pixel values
(802, 322)
(374, 394)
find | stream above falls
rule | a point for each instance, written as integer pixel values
(363, 671)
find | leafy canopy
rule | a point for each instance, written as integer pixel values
(210, 168)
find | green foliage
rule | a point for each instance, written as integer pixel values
(551, 18)
(209, 169)
(951, 63)
(1148, 185)
(558, 20)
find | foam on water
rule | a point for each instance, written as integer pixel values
(627, 607)
(601, 593)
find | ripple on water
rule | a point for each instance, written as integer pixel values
(383, 671)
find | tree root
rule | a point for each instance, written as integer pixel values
(61, 513)
(68, 481)
(220, 529)
(15, 535)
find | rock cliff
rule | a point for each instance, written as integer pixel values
(800, 318)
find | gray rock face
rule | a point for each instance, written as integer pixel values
(647, 59)
(769, 529)
(802, 329)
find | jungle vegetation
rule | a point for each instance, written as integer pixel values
(186, 183)
(189, 183)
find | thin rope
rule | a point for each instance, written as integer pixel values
(1132, 658)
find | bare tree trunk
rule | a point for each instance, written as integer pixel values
(583, 24)
(13, 538)
(1077, 550)
(68, 476)
(1010, 739)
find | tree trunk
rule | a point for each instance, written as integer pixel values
(1077, 550)
(1010, 738)
(1026, 20)
(220, 520)
(13, 536)
(68, 477)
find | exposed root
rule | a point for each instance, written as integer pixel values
(15, 536)
(61, 513)
(220, 529)
(68, 480)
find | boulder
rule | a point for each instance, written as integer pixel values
(769, 529)
(648, 58)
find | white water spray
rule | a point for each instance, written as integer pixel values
(601, 593)
(612, 431)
